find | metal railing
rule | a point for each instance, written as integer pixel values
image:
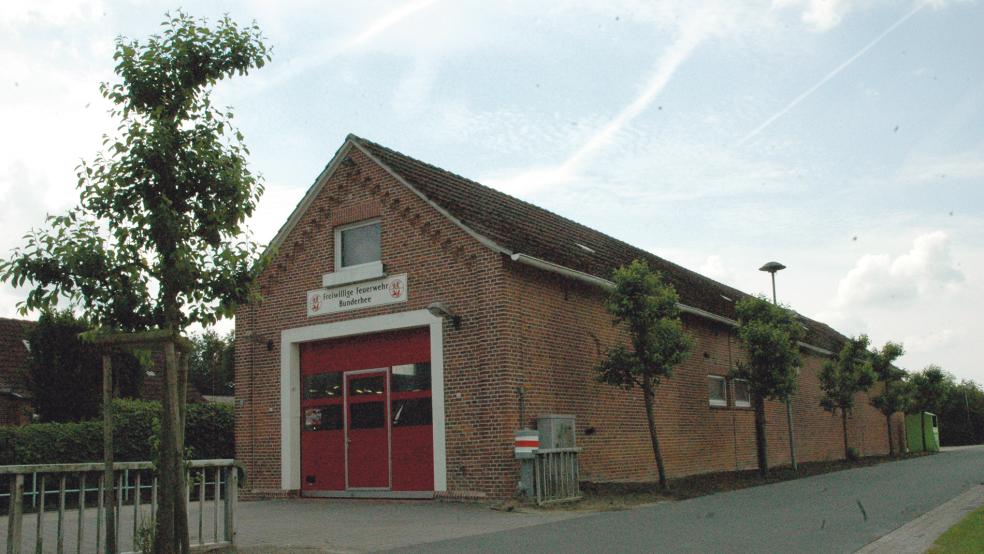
(555, 475)
(78, 503)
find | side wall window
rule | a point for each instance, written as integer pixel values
(717, 390)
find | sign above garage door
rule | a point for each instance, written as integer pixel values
(388, 290)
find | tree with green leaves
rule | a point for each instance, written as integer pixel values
(212, 365)
(157, 241)
(770, 334)
(896, 393)
(931, 389)
(963, 415)
(647, 308)
(64, 372)
(845, 376)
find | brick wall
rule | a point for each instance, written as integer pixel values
(14, 411)
(442, 264)
(561, 330)
(520, 327)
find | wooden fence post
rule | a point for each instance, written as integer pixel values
(109, 501)
(15, 515)
(169, 496)
(232, 493)
(181, 513)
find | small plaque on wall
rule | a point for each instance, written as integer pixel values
(389, 290)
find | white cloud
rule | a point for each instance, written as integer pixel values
(932, 341)
(968, 164)
(410, 96)
(830, 17)
(928, 268)
(690, 34)
(715, 268)
(821, 15)
(14, 13)
(847, 323)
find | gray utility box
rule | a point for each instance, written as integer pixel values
(556, 431)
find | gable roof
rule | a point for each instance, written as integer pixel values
(523, 230)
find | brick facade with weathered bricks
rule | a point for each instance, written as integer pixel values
(520, 326)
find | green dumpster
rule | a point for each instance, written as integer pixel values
(922, 432)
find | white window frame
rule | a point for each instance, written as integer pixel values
(714, 401)
(353, 273)
(348, 227)
(741, 403)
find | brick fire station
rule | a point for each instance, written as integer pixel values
(406, 306)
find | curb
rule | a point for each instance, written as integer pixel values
(918, 535)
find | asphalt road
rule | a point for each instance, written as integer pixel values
(836, 512)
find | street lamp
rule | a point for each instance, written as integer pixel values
(772, 268)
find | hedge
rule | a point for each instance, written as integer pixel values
(208, 434)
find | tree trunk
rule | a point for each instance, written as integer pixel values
(847, 454)
(181, 515)
(109, 481)
(891, 444)
(167, 499)
(648, 396)
(760, 440)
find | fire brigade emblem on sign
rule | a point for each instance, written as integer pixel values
(367, 294)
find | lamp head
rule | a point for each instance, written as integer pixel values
(772, 267)
(440, 309)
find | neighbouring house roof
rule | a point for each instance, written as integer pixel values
(13, 356)
(513, 226)
(13, 364)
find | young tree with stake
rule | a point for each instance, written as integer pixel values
(842, 378)
(896, 394)
(157, 239)
(648, 309)
(770, 334)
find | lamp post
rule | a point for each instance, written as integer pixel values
(772, 268)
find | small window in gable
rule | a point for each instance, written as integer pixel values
(357, 244)
(717, 390)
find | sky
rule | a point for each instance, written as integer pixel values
(844, 139)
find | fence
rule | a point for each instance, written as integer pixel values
(555, 475)
(79, 505)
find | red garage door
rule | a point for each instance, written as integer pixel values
(366, 413)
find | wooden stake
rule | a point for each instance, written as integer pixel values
(109, 501)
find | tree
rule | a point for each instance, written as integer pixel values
(212, 365)
(896, 394)
(157, 239)
(959, 407)
(963, 415)
(842, 378)
(64, 372)
(648, 308)
(770, 334)
(931, 389)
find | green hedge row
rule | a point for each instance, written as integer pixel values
(208, 435)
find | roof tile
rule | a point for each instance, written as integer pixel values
(521, 227)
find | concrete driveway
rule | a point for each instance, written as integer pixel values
(836, 512)
(322, 525)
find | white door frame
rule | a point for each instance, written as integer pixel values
(290, 384)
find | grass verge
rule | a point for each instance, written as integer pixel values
(966, 536)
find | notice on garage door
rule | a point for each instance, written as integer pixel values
(389, 290)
